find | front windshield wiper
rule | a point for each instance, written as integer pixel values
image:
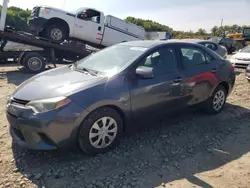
(89, 71)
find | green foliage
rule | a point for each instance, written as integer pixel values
(17, 18)
(149, 25)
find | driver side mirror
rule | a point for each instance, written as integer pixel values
(144, 72)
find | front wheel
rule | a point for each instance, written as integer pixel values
(56, 33)
(101, 131)
(216, 102)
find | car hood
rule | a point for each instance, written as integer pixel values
(242, 55)
(61, 81)
(57, 9)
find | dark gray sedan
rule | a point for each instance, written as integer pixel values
(93, 101)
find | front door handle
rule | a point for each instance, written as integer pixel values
(214, 70)
(177, 80)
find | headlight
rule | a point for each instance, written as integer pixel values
(9, 99)
(44, 11)
(45, 105)
(233, 58)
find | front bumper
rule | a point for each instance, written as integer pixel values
(240, 63)
(45, 131)
(36, 24)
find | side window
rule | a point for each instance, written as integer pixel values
(90, 15)
(192, 57)
(210, 46)
(162, 61)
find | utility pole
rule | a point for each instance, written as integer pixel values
(3, 14)
(221, 22)
(64, 1)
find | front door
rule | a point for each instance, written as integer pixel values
(88, 26)
(162, 93)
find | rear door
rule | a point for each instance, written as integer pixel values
(200, 69)
(162, 93)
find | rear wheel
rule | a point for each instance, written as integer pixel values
(33, 62)
(101, 131)
(216, 102)
(56, 33)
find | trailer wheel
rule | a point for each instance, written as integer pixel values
(56, 33)
(33, 62)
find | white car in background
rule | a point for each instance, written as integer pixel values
(219, 49)
(241, 58)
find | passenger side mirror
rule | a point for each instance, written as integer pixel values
(145, 72)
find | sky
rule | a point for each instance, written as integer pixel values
(184, 15)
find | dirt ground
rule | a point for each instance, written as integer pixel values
(190, 149)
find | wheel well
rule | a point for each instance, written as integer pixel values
(123, 117)
(58, 21)
(117, 109)
(225, 84)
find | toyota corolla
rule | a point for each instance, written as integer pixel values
(92, 102)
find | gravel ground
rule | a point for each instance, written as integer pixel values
(190, 149)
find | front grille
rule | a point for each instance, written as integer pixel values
(18, 102)
(241, 65)
(243, 59)
(35, 12)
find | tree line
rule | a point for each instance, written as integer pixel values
(150, 25)
(18, 18)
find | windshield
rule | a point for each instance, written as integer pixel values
(246, 32)
(77, 10)
(111, 60)
(246, 49)
(216, 40)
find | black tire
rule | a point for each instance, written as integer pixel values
(209, 106)
(33, 62)
(50, 34)
(85, 128)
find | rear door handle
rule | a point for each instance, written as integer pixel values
(177, 80)
(214, 70)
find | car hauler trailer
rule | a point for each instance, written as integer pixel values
(35, 60)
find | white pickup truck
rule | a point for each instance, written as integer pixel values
(85, 24)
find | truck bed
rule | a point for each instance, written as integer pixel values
(123, 26)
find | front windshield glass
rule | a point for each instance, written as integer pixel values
(246, 32)
(216, 40)
(111, 60)
(77, 11)
(246, 49)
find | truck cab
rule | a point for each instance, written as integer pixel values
(89, 25)
(246, 34)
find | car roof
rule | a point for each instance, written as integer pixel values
(153, 43)
(193, 40)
